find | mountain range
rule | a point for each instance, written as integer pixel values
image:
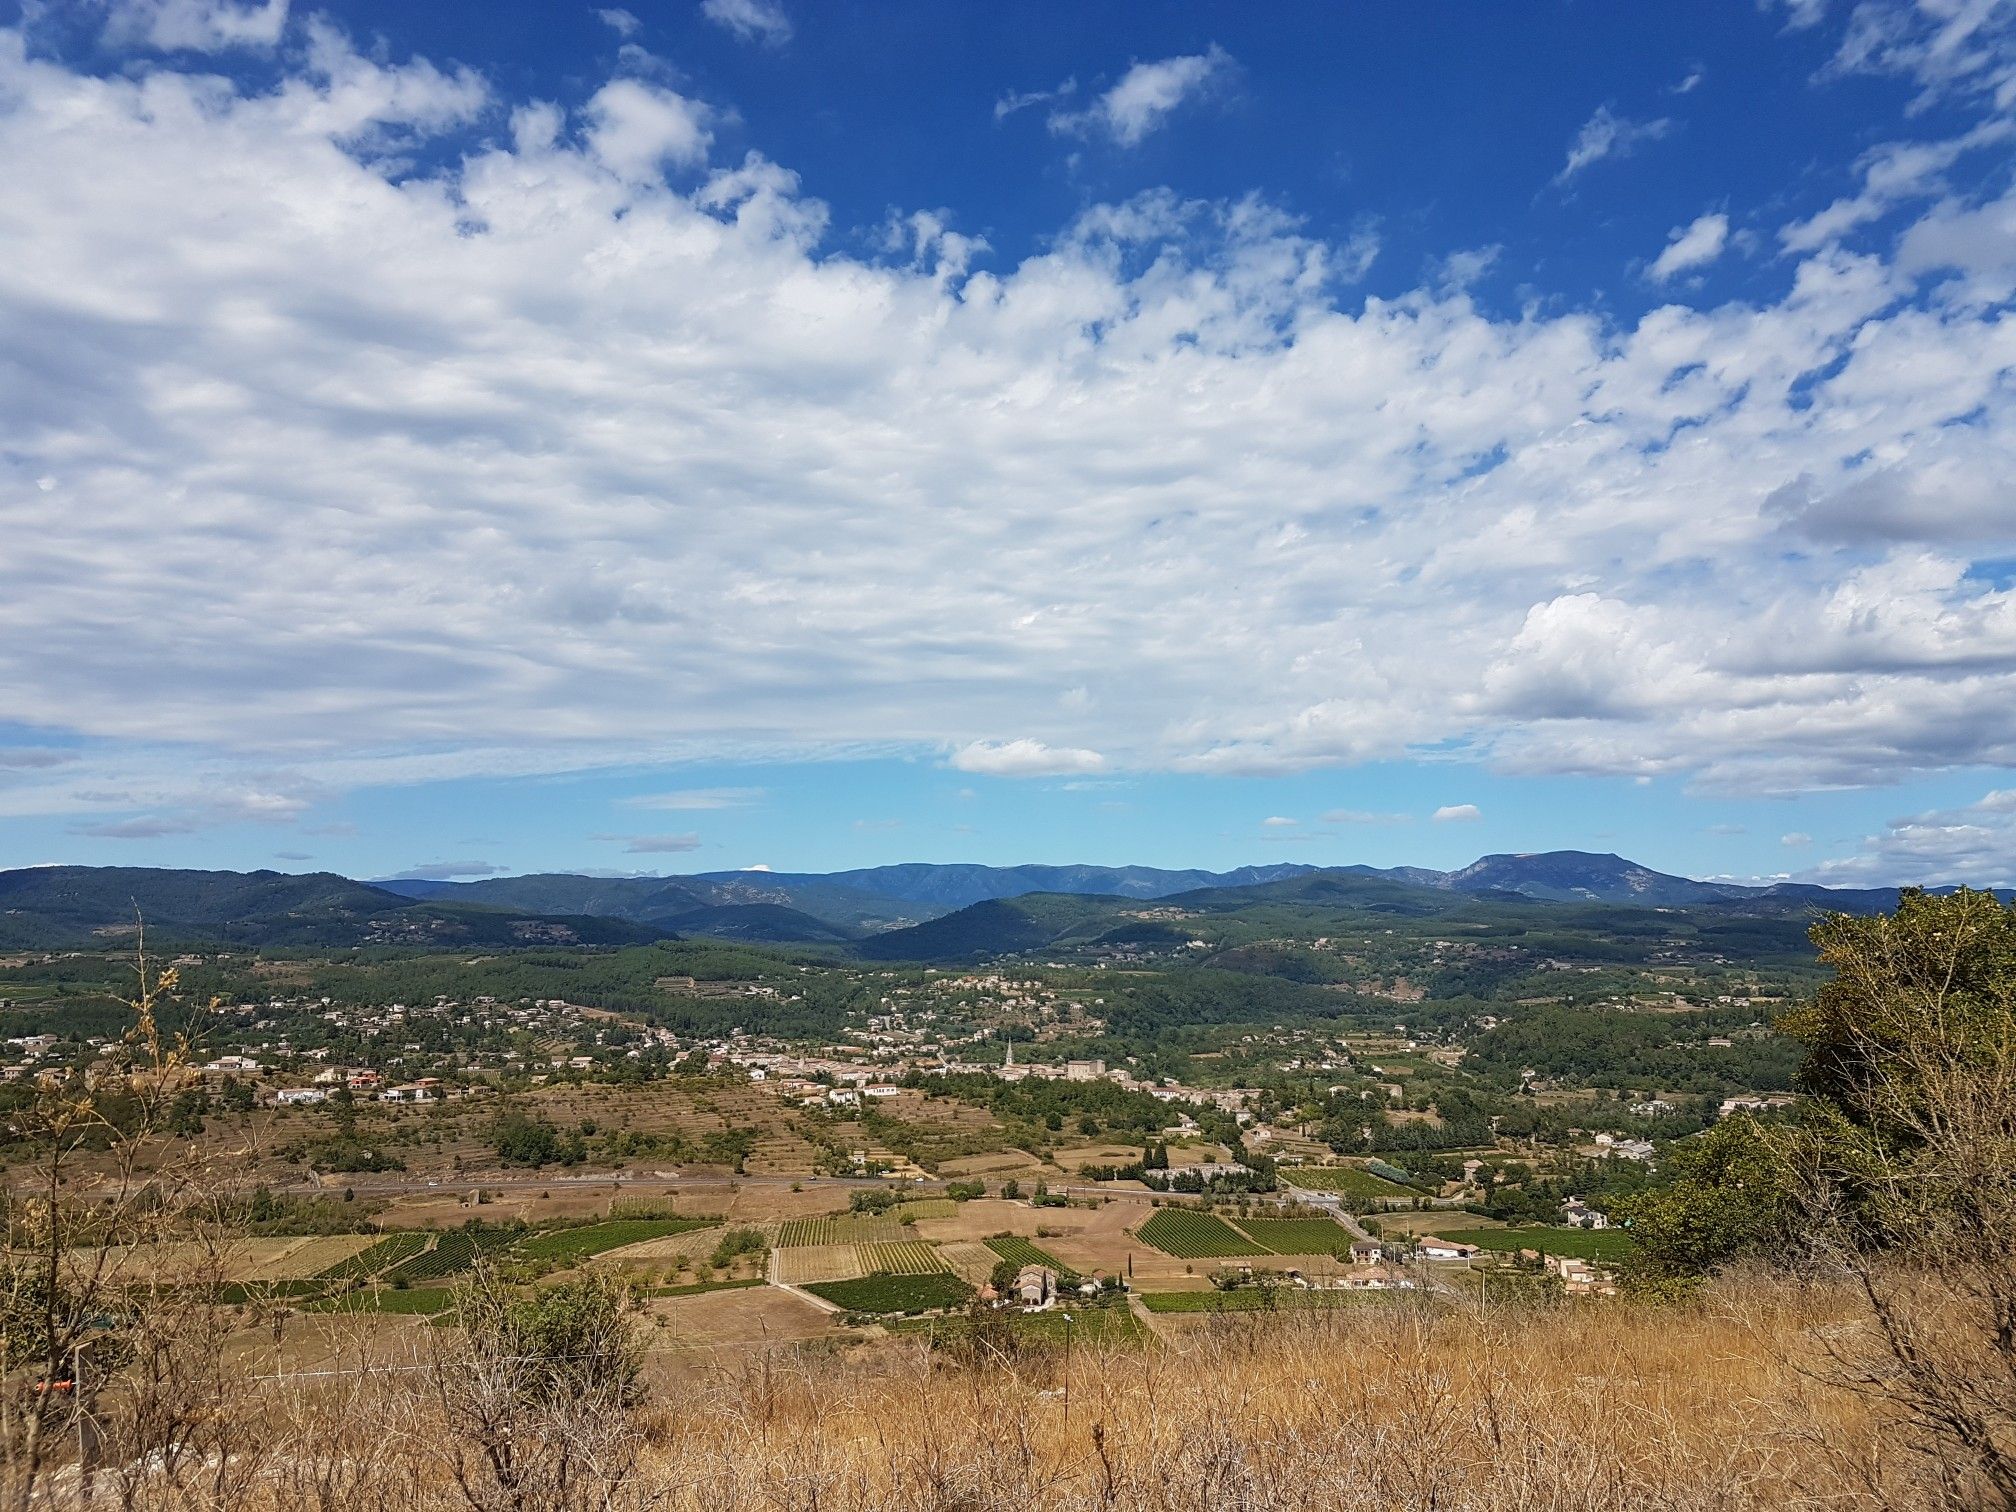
(912, 911)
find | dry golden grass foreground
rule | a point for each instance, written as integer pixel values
(1721, 1404)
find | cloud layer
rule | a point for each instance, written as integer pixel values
(579, 445)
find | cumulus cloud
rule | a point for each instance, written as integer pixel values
(620, 21)
(553, 466)
(1974, 844)
(1146, 96)
(636, 128)
(204, 26)
(1797, 840)
(1606, 135)
(751, 20)
(1279, 821)
(1457, 813)
(1023, 758)
(1692, 246)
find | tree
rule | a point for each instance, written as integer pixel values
(539, 1394)
(1728, 1193)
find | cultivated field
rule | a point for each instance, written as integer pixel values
(1022, 1252)
(1191, 1235)
(818, 1262)
(570, 1246)
(894, 1294)
(1297, 1236)
(905, 1257)
(842, 1230)
(1348, 1181)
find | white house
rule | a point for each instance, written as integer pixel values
(1433, 1248)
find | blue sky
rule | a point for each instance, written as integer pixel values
(467, 438)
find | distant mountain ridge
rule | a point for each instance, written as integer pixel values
(51, 906)
(870, 909)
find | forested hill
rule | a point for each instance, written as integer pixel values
(919, 911)
(68, 906)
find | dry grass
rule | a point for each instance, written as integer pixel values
(1706, 1408)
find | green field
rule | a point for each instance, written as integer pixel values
(1582, 1244)
(1022, 1252)
(901, 1257)
(1250, 1299)
(843, 1230)
(894, 1294)
(1191, 1235)
(1298, 1236)
(924, 1207)
(1348, 1181)
(569, 1246)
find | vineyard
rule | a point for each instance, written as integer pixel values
(1192, 1235)
(905, 1257)
(386, 1253)
(570, 1246)
(1347, 1181)
(1297, 1236)
(453, 1253)
(818, 1262)
(894, 1294)
(844, 1230)
(1022, 1252)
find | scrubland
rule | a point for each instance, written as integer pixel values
(1739, 1399)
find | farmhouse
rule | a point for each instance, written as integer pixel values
(1433, 1248)
(1035, 1286)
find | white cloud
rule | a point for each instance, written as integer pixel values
(695, 799)
(620, 21)
(1892, 174)
(1606, 135)
(1145, 97)
(1692, 246)
(1024, 758)
(1974, 844)
(549, 472)
(637, 128)
(1797, 840)
(1016, 101)
(205, 26)
(1457, 813)
(1280, 821)
(751, 20)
